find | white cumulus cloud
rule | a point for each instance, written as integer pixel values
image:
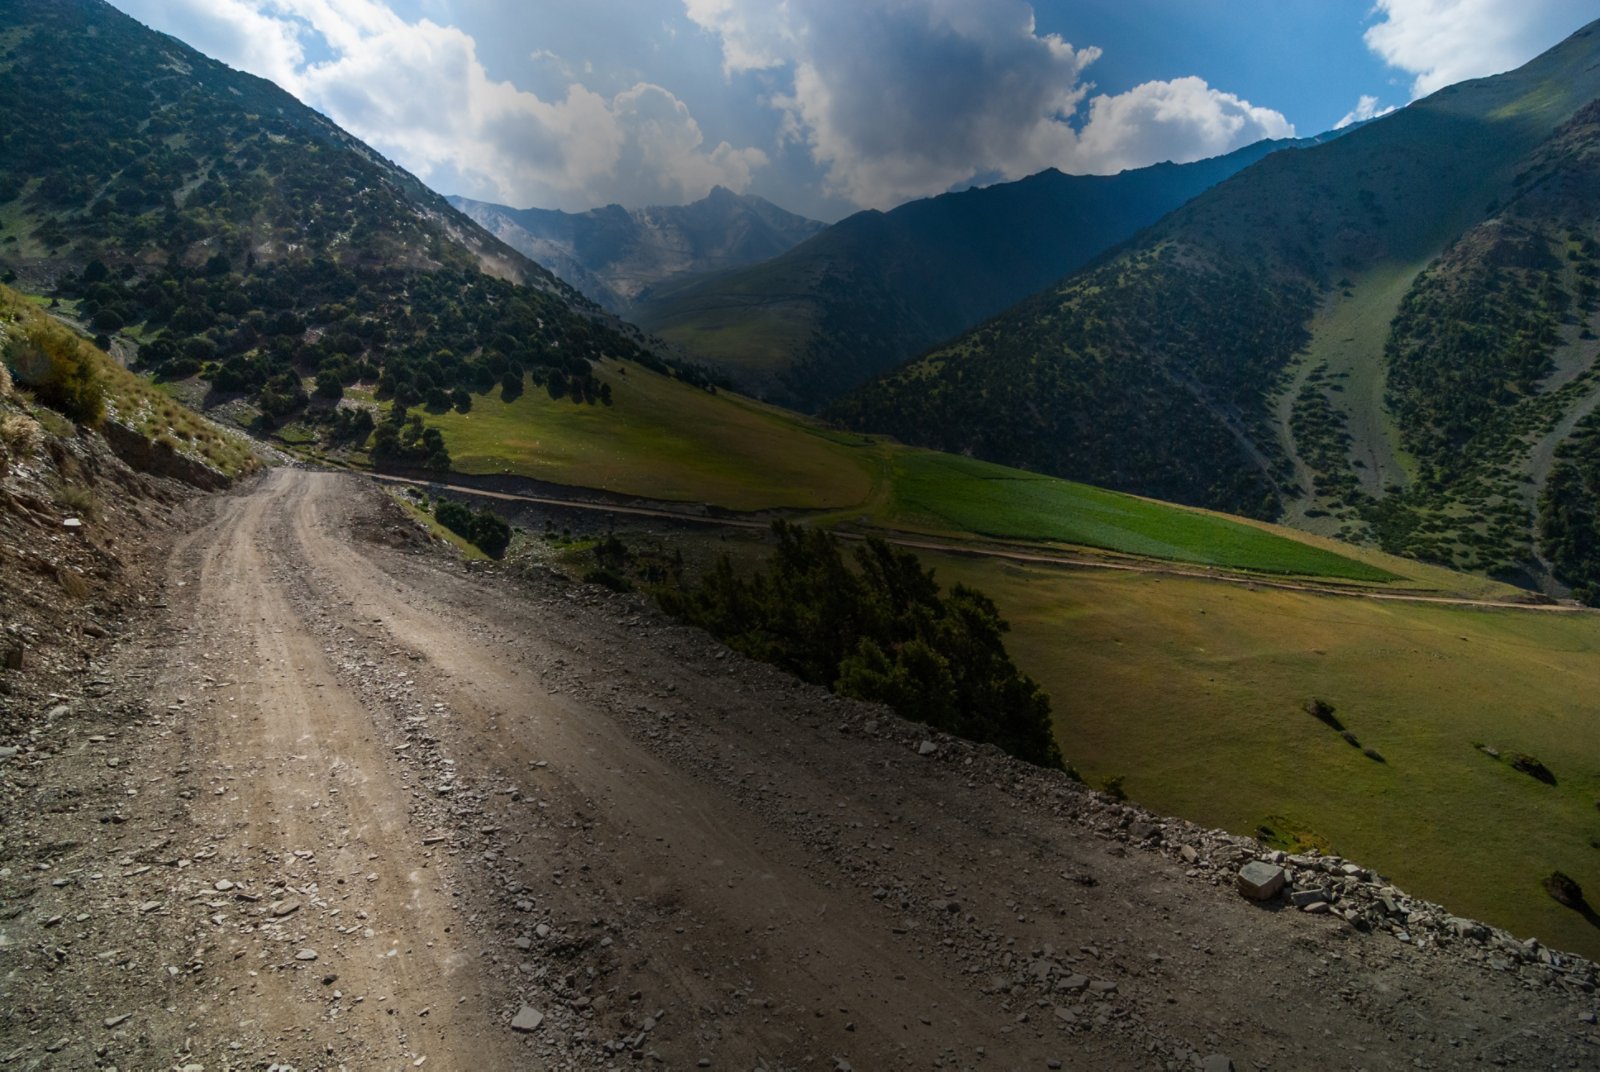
(1367, 107)
(419, 93)
(1441, 42)
(899, 99)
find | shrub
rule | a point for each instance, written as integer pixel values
(482, 528)
(883, 632)
(19, 438)
(1322, 711)
(610, 578)
(1531, 767)
(61, 371)
(1564, 890)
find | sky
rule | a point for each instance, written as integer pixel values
(826, 107)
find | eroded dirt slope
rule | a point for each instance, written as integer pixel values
(344, 803)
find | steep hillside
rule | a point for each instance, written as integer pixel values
(1385, 336)
(878, 288)
(614, 255)
(207, 222)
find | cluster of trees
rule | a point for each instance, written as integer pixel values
(252, 243)
(402, 439)
(429, 339)
(1116, 378)
(478, 527)
(882, 631)
(1569, 513)
(1473, 338)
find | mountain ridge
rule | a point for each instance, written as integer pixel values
(877, 288)
(1250, 350)
(220, 228)
(613, 255)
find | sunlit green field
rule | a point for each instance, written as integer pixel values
(662, 439)
(665, 440)
(1193, 692)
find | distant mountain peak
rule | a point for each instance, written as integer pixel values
(614, 255)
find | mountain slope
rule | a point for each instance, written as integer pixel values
(1371, 336)
(223, 228)
(878, 288)
(613, 255)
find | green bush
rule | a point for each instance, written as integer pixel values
(881, 632)
(480, 528)
(61, 371)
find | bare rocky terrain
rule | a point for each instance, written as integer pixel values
(332, 799)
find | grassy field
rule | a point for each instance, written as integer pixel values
(1193, 692)
(662, 439)
(991, 500)
(665, 440)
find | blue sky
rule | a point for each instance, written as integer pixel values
(828, 106)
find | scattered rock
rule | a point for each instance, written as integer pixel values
(1261, 881)
(527, 1019)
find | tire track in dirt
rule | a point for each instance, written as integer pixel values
(307, 786)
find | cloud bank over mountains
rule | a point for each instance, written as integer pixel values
(874, 102)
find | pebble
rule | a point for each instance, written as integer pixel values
(306, 954)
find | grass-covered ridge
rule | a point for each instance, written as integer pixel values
(991, 500)
(692, 445)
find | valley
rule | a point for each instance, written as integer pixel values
(482, 805)
(435, 634)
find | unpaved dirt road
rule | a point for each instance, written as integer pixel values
(346, 804)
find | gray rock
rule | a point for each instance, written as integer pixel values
(1073, 983)
(1302, 898)
(927, 748)
(9, 751)
(306, 954)
(527, 1019)
(58, 711)
(1217, 1062)
(113, 1021)
(1261, 881)
(1189, 854)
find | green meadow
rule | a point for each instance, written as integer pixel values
(665, 440)
(1193, 693)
